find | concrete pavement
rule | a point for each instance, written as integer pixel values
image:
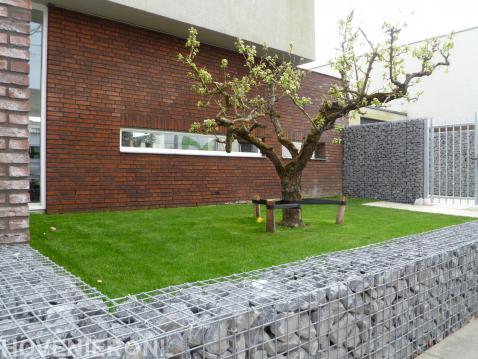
(463, 344)
(464, 210)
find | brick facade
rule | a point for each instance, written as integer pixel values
(103, 76)
(14, 106)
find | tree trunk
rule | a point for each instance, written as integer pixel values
(291, 185)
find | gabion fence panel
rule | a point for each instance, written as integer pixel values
(391, 300)
(385, 161)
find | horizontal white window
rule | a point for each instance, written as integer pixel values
(319, 153)
(181, 143)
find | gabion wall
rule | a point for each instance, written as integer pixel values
(453, 148)
(392, 300)
(385, 161)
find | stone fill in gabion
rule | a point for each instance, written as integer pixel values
(45, 312)
(385, 161)
(391, 300)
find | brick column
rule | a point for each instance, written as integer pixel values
(14, 105)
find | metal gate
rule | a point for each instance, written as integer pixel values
(450, 163)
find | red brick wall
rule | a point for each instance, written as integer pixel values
(103, 76)
(14, 106)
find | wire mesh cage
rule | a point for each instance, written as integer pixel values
(391, 300)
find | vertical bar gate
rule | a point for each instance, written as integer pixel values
(450, 157)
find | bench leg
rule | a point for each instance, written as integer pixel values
(341, 211)
(270, 217)
(256, 207)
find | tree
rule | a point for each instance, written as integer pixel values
(247, 102)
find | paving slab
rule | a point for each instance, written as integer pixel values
(456, 209)
(463, 344)
(427, 356)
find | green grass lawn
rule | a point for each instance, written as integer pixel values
(135, 251)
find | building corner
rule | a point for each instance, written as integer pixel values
(14, 108)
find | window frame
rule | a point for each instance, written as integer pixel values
(41, 206)
(288, 156)
(324, 157)
(370, 120)
(174, 151)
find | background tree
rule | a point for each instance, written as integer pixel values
(248, 102)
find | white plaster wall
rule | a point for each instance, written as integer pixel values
(276, 22)
(450, 96)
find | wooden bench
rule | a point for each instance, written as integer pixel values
(273, 204)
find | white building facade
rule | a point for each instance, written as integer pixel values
(449, 95)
